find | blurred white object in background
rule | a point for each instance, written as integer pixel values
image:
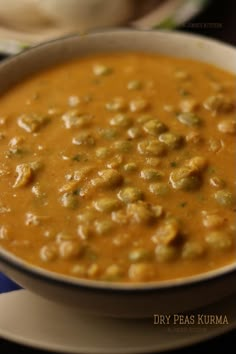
(81, 15)
(25, 23)
(86, 14)
(21, 15)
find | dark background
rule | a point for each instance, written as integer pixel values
(217, 21)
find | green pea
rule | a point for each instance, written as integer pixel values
(106, 204)
(134, 85)
(189, 118)
(192, 250)
(109, 133)
(219, 240)
(165, 253)
(69, 200)
(154, 127)
(172, 141)
(183, 178)
(224, 197)
(159, 188)
(130, 167)
(151, 174)
(139, 255)
(103, 227)
(121, 120)
(151, 148)
(123, 146)
(130, 194)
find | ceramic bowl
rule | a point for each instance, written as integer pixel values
(101, 298)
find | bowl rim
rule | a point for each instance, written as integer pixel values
(18, 264)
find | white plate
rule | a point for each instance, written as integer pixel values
(30, 320)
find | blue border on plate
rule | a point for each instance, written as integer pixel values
(7, 285)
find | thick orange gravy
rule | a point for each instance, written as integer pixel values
(120, 167)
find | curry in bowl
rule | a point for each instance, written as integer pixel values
(120, 167)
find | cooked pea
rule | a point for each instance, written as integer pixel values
(24, 175)
(165, 253)
(79, 175)
(172, 141)
(144, 118)
(212, 220)
(134, 132)
(121, 120)
(189, 118)
(31, 123)
(97, 182)
(115, 162)
(109, 133)
(215, 145)
(189, 105)
(157, 210)
(193, 137)
(118, 104)
(87, 216)
(101, 70)
(141, 212)
(102, 152)
(151, 174)
(120, 217)
(159, 188)
(154, 127)
(103, 227)
(138, 105)
(4, 233)
(192, 250)
(84, 231)
(216, 182)
(183, 178)
(197, 163)
(130, 194)
(113, 272)
(79, 270)
(106, 204)
(218, 104)
(130, 167)
(168, 108)
(167, 232)
(111, 177)
(182, 75)
(227, 126)
(139, 255)
(93, 270)
(151, 147)
(153, 161)
(83, 138)
(219, 240)
(73, 119)
(224, 197)
(48, 253)
(69, 200)
(69, 249)
(73, 101)
(141, 272)
(134, 85)
(123, 145)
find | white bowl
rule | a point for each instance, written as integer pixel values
(120, 300)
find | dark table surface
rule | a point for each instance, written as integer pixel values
(217, 21)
